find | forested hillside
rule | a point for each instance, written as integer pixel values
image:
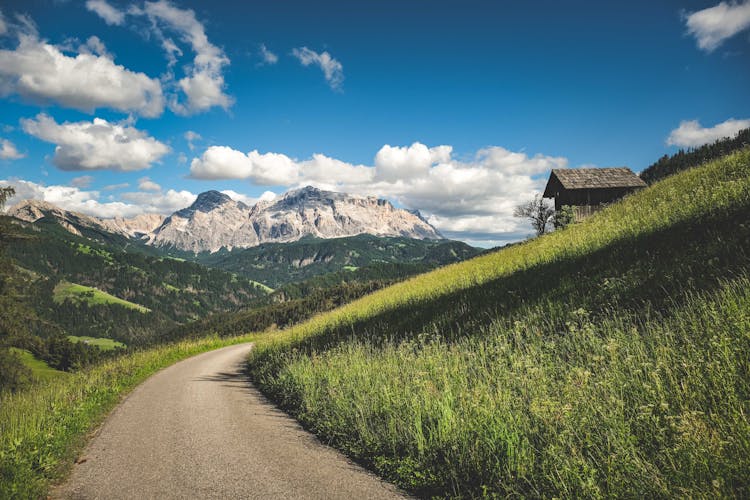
(276, 264)
(682, 160)
(71, 285)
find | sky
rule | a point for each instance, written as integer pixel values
(457, 109)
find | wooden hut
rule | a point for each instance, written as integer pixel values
(588, 189)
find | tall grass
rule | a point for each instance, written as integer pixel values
(608, 359)
(43, 428)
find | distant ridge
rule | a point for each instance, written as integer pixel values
(215, 221)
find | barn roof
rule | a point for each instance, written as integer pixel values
(594, 178)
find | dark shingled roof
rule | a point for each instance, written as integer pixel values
(597, 178)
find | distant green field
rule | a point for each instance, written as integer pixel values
(39, 368)
(101, 343)
(263, 287)
(75, 292)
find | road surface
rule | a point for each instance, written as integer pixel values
(199, 429)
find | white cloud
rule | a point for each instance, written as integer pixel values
(204, 84)
(94, 46)
(713, 25)
(83, 181)
(221, 162)
(692, 134)
(42, 72)
(8, 151)
(465, 199)
(97, 145)
(268, 56)
(110, 14)
(115, 187)
(146, 184)
(249, 200)
(165, 202)
(394, 163)
(191, 137)
(332, 69)
(88, 202)
(69, 198)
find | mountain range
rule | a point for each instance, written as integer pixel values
(215, 221)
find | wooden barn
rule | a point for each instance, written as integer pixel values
(588, 189)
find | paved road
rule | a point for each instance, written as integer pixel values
(198, 429)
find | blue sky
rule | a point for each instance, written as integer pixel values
(458, 109)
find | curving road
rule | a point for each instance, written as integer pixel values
(199, 429)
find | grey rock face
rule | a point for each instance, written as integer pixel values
(215, 221)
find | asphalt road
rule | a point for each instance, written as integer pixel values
(198, 429)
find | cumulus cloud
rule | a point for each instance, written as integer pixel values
(713, 25)
(249, 200)
(221, 162)
(42, 72)
(471, 199)
(110, 14)
(332, 69)
(690, 133)
(97, 145)
(165, 202)
(88, 202)
(267, 56)
(204, 84)
(83, 181)
(146, 184)
(8, 151)
(69, 198)
(394, 163)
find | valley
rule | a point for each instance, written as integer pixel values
(441, 367)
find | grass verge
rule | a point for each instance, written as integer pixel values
(42, 429)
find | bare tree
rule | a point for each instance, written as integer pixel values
(5, 194)
(538, 211)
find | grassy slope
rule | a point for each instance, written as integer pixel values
(607, 359)
(102, 343)
(93, 296)
(43, 428)
(39, 369)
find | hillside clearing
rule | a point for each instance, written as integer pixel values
(93, 296)
(104, 344)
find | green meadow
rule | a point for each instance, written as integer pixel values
(40, 371)
(102, 343)
(93, 296)
(611, 358)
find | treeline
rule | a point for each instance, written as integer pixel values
(43, 254)
(285, 312)
(277, 264)
(692, 157)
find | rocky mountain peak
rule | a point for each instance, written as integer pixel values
(209, 200)
(215, 221)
